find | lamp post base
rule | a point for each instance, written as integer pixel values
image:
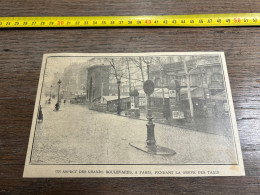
(152, 149)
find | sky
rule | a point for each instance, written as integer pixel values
(57, 64)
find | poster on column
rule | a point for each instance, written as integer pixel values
(82, 124)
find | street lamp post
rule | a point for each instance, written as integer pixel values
(57, 105)
(59, 82)
(149, 89)
(150, 145)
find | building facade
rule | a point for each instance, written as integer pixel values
(205, 78)
(97, 82)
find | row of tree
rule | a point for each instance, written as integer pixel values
(121, 69)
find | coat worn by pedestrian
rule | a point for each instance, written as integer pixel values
(40, 115)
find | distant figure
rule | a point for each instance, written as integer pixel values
(40, 115)
(57, 106)
(126, 112)
(64, 101)
(166, 111)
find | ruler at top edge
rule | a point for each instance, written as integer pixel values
(201, 20)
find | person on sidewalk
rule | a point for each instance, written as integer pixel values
(166, 112)
(57, 106)
(40, 115)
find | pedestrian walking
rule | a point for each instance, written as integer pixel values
(40, 115)
(57, 106)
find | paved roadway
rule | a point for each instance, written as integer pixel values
(77, 135)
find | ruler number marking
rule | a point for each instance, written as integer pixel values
(60, 22)
(147, 21)
(102, 21)
(237, 20)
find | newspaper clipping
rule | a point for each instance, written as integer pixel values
(134, 115)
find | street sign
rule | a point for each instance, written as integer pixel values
(172, 93)
(178, 115)
(148, 87)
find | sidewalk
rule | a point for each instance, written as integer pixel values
(77, 135)
(216, 126)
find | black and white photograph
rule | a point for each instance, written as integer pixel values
(134, 115)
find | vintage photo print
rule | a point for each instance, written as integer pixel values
(134, 115)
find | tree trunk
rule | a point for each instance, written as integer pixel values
(102, 88)
(129, 77)
(188, 89)
(141, 68)
(118, 100)
(58, 94)
(162, 88)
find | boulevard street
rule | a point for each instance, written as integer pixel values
(77, 135)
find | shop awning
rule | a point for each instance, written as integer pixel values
(112, 98)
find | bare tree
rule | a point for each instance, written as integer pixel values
(118, 71)
(187, 73)
(161, 62)
(126, 61)
(138, 62)
(149, 60)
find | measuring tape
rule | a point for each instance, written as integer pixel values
(202, 20)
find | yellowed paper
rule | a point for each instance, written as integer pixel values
(134, 115)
